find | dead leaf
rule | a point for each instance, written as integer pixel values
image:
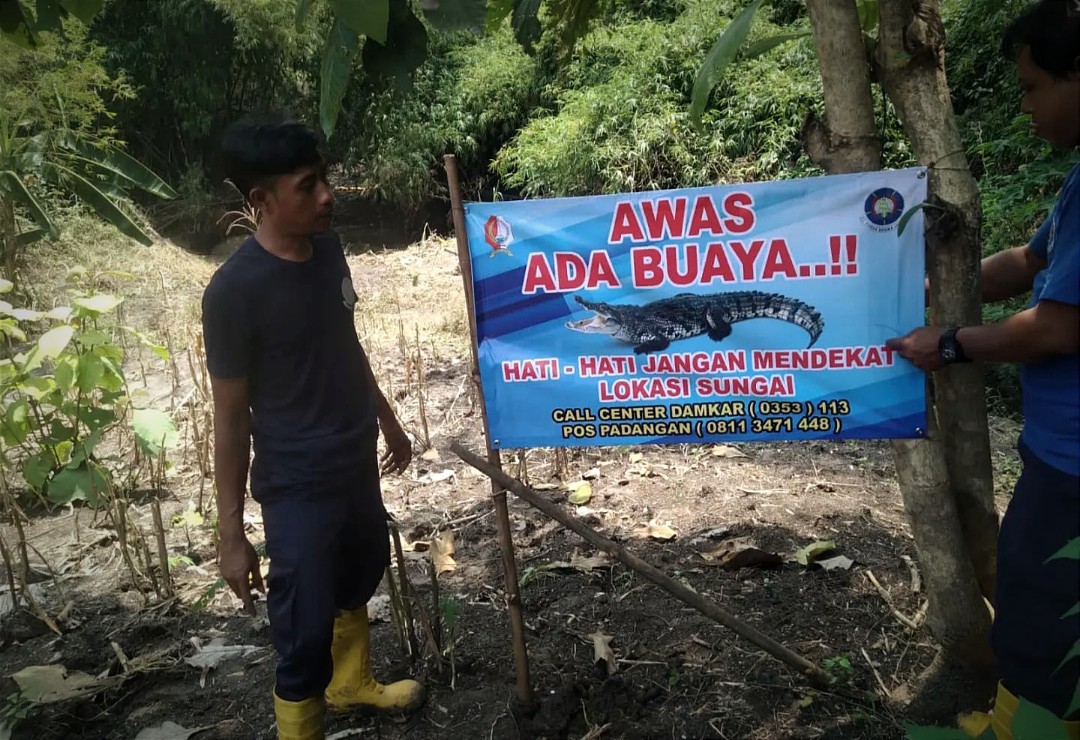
(602, 651)
(543, 486)
(579, 562)
(168, 731)
(432, 455)
(591, 474)
(727, 451)
(418, 546)
(741, 552)
(582, 493)
(715, 533)
(342, 734)
(442, 553)
(661, 532)
(586, 564)
(436, 476)
(378, 608)
(45, 684)
(37, 590)
(813, 551)
(636, 457)
(836, 563)
(209, 656)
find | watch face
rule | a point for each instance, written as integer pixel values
(948, 352)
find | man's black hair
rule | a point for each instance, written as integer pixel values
(1051, 31)
(257, 149)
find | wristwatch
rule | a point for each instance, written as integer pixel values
(949, 347)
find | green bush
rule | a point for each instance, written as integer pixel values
(198, 64)
(61, 84)
(616, 118)
(467, 98)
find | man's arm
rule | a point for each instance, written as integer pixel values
(398, 453)
(232, 449)
(1009, 273)
(383, 408)
(232, 446)
(1047, 329)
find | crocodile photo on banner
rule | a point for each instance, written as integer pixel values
(652, 327)
(742, 312)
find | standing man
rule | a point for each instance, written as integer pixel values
(1030, 638)
(290, 377)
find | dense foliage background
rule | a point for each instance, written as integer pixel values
(165, 77)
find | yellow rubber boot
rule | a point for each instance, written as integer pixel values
(299, 720)
(352, 684)
(1000, 718)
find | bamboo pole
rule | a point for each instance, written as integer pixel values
(498, 493)
(813, 673)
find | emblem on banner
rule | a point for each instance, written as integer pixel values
(498, 235)
(883, 207)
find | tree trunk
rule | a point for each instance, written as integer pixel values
(957, 616)
(847, 140)
(912, 59)
(7, 239)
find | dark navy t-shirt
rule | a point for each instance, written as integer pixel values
(288, 327)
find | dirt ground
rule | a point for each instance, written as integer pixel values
(673, 674)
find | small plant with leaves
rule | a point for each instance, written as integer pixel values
(839, 668)
(450, 610)
(14, 710)
(62, 389)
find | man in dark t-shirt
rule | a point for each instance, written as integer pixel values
(290, 378)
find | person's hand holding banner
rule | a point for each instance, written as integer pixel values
(921, 347)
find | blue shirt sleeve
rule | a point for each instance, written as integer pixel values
(1062, 253)
(226, 330)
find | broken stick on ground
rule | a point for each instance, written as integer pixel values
(816, 675)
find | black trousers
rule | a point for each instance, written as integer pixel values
(328, 549)
(1029, 636)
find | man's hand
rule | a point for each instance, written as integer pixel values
(398, 453)
(920, 347)
(240, 568)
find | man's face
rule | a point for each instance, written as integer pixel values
(300, 203)
(1052, 102)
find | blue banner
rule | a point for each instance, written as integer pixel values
(739, 312)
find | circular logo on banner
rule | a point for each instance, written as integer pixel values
(883, 207)
(499, 235)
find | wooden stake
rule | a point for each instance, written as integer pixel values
(498, 493)
(397, 612)
(162, 548)
(6, 554)
(404, 589)
(816, 675)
